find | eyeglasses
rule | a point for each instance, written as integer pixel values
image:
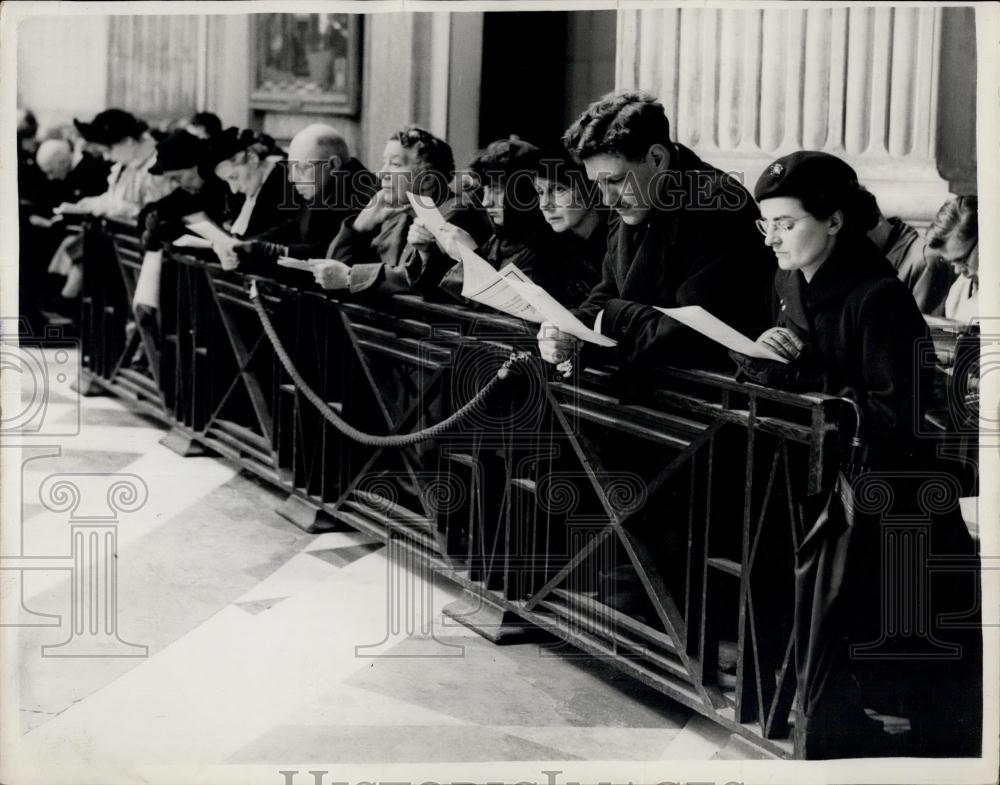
(781, 224)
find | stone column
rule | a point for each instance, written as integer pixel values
(743, 86)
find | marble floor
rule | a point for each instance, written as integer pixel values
(252, 643)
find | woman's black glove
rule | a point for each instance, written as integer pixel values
(153, 238)
(259, 252)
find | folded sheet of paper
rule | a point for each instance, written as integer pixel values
(299, 264)
(202, 225)
(191, 241)
(941, 323)
(147, 287)
(427, 212)
(697, 318)
(512, 292)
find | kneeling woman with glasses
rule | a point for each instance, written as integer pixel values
(850, 328)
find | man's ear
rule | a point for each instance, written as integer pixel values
(335, 162)
(658, 156)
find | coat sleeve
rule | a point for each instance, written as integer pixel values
(351, 246)
(285, 233)
(439, 272)
(607, 288)
(896, 383)
(729, 276)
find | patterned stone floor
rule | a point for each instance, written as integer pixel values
(269, 646)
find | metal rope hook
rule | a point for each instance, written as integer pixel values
(372, 440)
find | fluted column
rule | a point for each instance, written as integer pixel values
(743, 86)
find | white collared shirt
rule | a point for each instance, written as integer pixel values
(242, 221)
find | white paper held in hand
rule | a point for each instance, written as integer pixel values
(300, 264)
(512, 292)
(202, 225)
(700, 320)
(551, 309)
(427, 212)
(191, 241)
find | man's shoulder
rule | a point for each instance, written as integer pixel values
(696, 186)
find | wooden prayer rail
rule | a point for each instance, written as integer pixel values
(648, 522)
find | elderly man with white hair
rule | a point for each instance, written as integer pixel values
(69, 175)
(331, 186)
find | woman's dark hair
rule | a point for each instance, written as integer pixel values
(209, 121)
(512, 164)
(434, 163)
(857, 203)
(555, 164)
(626, 124)
(958, 217)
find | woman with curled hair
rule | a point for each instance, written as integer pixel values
(848, 327)
(380, 251)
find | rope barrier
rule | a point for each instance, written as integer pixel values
(372, 440)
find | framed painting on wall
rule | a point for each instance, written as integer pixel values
(306, 63)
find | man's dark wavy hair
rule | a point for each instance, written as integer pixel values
(626, 124)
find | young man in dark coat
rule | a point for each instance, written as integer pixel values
(333, 186)
(683, 234)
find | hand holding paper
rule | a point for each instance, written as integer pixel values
(300, 264)
(512, 292)
(700, 320)
(191, 241)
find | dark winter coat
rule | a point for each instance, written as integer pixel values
(864, 333)
(383, 263)
(309, 233)
(162, 220)
(698, 246)
(276, 202)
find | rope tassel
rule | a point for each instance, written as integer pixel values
(373, 440)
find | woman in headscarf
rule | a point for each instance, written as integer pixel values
(848, 327)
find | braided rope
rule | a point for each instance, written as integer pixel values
(372, 440)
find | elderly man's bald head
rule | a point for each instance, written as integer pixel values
(313, 152)
(55, 158)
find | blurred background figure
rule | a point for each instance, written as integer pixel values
(64, 174)
(926, 278)
(953, 237)
(125, 141)
(204, 125)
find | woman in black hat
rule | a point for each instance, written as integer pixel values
(125, 141)
(848, 327)
(188, 162)
(251, 166)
